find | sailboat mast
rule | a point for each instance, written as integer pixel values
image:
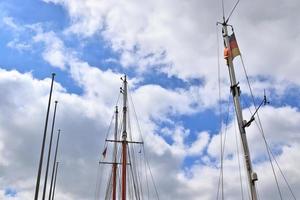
(114, 194)
(235, 90)
(124, 139)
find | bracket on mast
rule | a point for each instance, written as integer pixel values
(232, 88)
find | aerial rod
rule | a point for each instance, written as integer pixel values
(235, 91)
(124, 137)
(49, 151)
(53, 168)
(37, 186)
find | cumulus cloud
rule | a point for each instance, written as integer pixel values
(173, 37)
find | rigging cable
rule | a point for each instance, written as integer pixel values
(132, 160)
(282, 174)
(261, 129)
(220, 114)
(223, 10)
(145, 156)
(99, 174)
(234, 7)
(238, 156)
(223, 144)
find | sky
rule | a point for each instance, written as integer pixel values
(170, 51)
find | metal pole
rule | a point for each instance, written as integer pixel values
(115, 158)
(55, 177)
(37, 186)
(49, 152)
(124, 140)
(54, 161)
(235, 90)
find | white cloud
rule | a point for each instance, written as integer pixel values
(86, 117)
(185, 34)
(20, 46)
(9, 21)
(54, 52)
(169, 36)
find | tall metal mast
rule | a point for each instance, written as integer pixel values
(124, 139)
(55, 178)
(235, 90)
(54, 163)
(49, 152)
(37, 186)
(114, 190)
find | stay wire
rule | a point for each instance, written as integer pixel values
(145, 156)
(223, 10)
(99, 174)
(261, 128)
(282, 174)
(220, 111)
(238, 156)
(99, 171)
(132, 159)
(231, 12)
(223, 146)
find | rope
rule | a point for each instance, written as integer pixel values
(133, 162)
(223, 150)
(238, 156)
(223, 9)
(145, 157)
(282, 174)
(220, 113)
(232, 10)
(261, 129)
(147, 162)
(100, 169)
(98, 180)
(135, 183)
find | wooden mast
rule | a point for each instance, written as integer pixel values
(124, 139)
(114, 176)
(124, 142)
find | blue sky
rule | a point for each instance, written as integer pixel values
(93, 50)
(169, 52)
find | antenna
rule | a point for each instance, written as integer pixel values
(223, 9)
(234, 7)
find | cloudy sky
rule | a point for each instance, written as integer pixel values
(169, 50)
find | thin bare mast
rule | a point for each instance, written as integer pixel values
(54, 163)
(37, 186)
(49, 152)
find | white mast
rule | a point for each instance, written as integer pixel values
(235, 90)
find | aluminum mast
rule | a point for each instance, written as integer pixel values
(235, 90)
